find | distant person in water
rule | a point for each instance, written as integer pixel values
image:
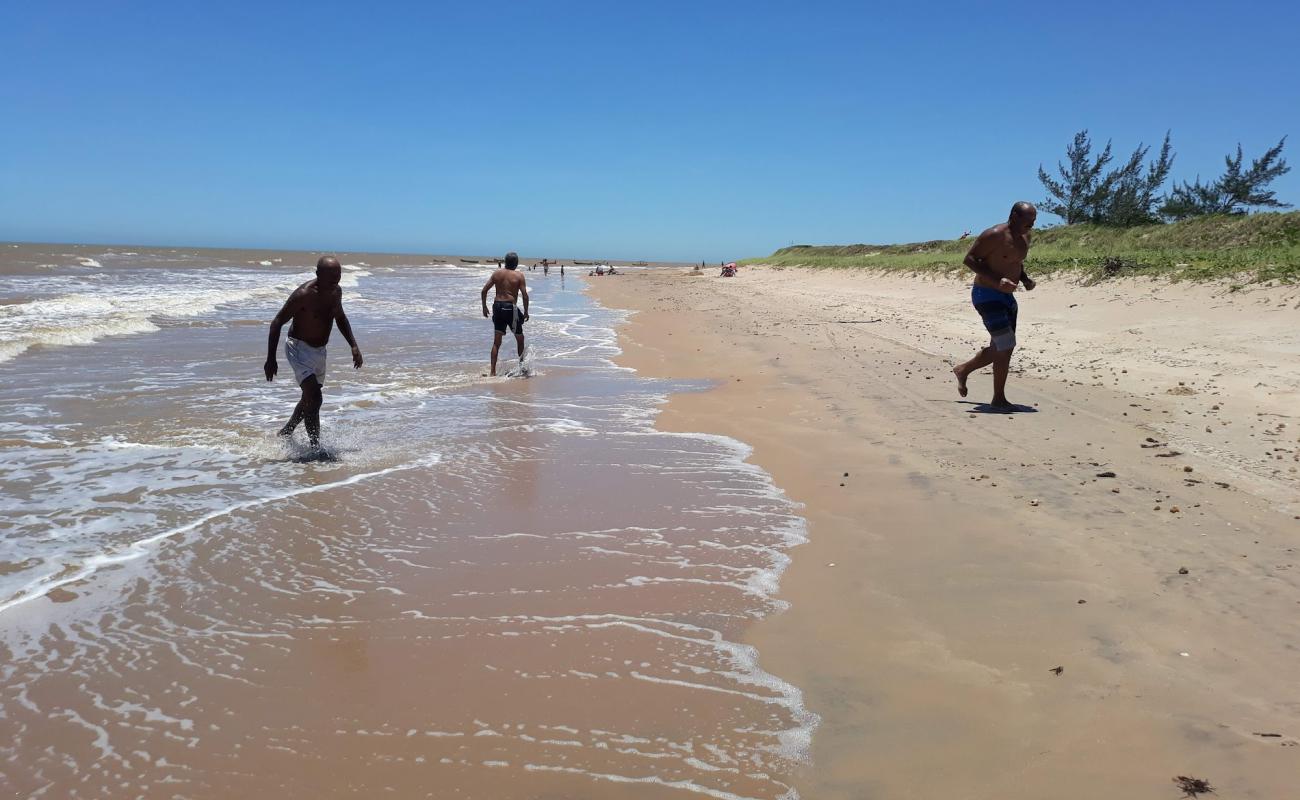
(998, 260)
(510, 286)
(312, 310)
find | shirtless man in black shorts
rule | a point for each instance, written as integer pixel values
(509, 283)
(313, 308)
(998, 260)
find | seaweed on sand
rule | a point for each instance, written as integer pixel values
(1193, 786)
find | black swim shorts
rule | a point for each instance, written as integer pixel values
(507, 315)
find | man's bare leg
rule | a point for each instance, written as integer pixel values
(1001, 367)
(519, 346)
(294, 418)
(311, 399)
(496, 347)
(982, 359)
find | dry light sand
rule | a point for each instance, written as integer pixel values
(956, 559)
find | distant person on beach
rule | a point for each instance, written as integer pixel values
(312, 309)
(510, 286)
(998, 260)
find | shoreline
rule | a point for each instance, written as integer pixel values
(930, 605)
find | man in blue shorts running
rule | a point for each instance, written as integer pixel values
(998, 260)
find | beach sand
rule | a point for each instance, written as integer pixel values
(957, 559)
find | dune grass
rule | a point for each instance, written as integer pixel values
(1247, 249)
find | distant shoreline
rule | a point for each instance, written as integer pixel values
(524, 259)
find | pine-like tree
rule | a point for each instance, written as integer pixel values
(1074, 198)
(1234, 192)
(1127, 196)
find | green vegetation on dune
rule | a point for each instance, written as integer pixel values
(1250, 248)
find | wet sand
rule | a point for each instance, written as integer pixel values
(957, 559)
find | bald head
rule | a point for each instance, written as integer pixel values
(1022, 216)
(328, 272)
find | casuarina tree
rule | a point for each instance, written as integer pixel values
(1236, 191)
(1128, 195)
(1087, 192)
(1074, 196)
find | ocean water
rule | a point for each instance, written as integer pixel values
(500, 588)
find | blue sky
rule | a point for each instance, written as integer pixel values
(660, 130)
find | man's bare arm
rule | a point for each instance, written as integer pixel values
(345, 328)
(487, 286)
(1028, 282)
(273, 340)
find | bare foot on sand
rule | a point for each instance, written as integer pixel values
(961, 381)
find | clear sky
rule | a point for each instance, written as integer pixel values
(659, 130)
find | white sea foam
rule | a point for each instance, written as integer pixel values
(92, 312)
(83, 318)
(72, 573)
(686, 785)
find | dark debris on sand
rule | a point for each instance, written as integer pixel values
(1193, 786)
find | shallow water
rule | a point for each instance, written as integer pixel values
(499, 588)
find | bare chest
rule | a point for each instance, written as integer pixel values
(1010, 253)
(316, 312)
